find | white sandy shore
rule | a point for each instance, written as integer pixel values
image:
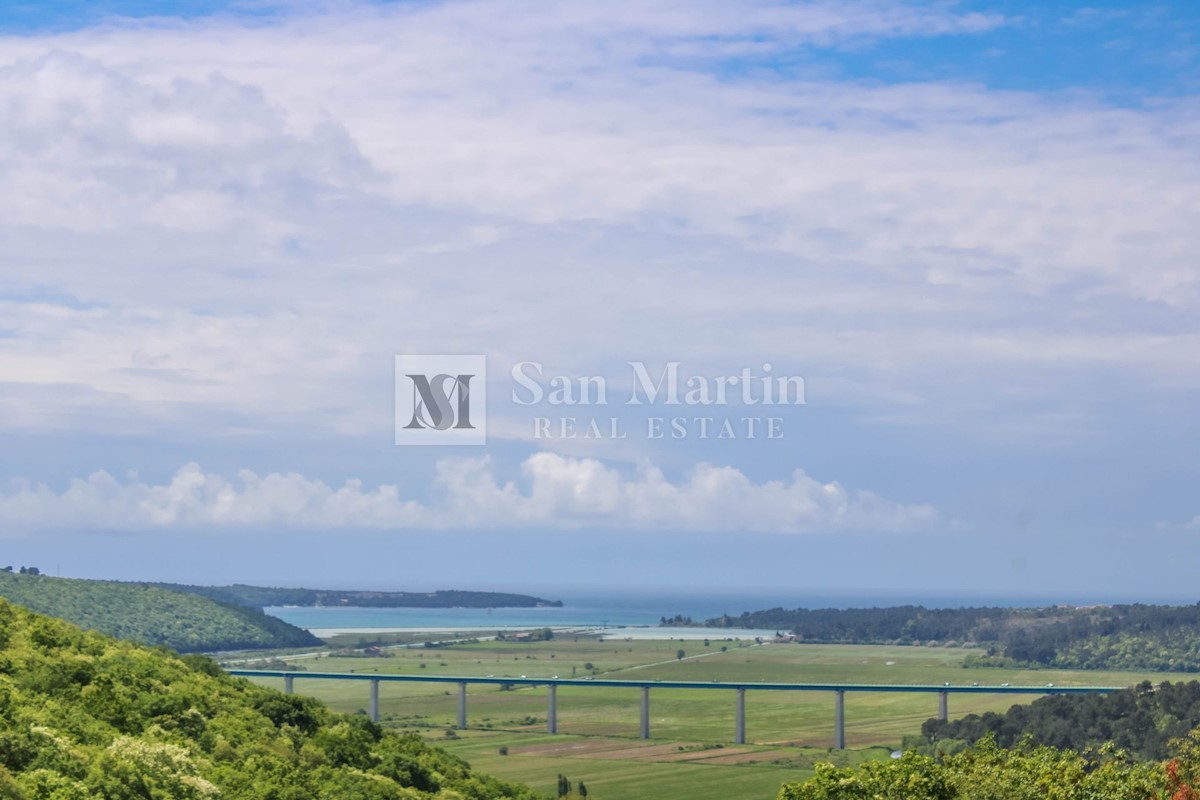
(326, 632)
(715, 634)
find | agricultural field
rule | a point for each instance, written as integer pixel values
(691, 751)
(631, 769)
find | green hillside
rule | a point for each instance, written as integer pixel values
(85, 716)
(152, 615)
(1143, 720)
(262, 596)
(1118, 637)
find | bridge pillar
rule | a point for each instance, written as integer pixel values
(839, 719)
(462, 705)
(739, 729)
(287, 683)
(645, 729)
(943, 706)
(375, 701)
(552, 713)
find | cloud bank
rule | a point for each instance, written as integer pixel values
(231, 225)
(554, 492)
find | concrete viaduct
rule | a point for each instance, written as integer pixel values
(839, 691)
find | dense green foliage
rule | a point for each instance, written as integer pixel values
(898, 624)
(1141, 720)
(152, 615)
(84, 717)
(535, 635)
(989, 772)
(1123, 637)
(263, 596)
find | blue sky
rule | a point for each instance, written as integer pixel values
(970, 228)
(1127, 50)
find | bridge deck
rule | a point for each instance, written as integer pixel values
(635, 684)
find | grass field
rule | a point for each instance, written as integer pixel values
(616, 768)
(598, 726)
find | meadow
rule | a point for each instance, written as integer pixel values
(691, 751)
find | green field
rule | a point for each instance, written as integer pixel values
(598, 726)
(624, 768)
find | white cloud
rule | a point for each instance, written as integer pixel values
(256, 216)
(554, 492)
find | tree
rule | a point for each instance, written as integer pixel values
(989, 772)
(564, 785)
(132, 768)
(91, 717)
(912, 777)
(1142, 719)
(679, 654)
(582, 789)
(183, 622)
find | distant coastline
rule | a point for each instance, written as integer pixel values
(284, 597)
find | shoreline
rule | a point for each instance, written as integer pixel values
(653, 632)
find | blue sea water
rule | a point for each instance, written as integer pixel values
(443, 619)
(616, 609)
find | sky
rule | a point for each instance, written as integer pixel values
(964, 233)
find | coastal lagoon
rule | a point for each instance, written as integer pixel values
(638, 615)
(326, 622)
(358, 620)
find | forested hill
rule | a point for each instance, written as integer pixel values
(1130, 637)
(263, 596)
(152, 615)
(86, 716)
(1142, 720)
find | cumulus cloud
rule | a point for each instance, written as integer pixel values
(553, 492)
(90, 148)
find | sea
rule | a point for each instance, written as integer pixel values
(637, 613)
